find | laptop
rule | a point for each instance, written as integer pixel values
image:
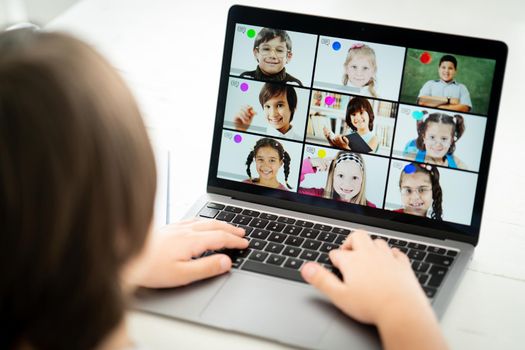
(425, 103)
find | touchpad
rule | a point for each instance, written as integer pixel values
(268, 307)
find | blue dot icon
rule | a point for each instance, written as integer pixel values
(409, 169)
(336, 45)
(417, 115)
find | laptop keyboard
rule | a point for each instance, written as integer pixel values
(280, 245)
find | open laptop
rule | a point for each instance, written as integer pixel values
(425, 103)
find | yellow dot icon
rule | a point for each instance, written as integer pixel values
(321, 153)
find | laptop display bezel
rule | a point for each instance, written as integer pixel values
(408, 38)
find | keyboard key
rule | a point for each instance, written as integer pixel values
(373, 237)
(247, 230)
(422, 278)
(209, 213)
(291, 251)
(258, 256)
(225, 216)
(258, 223)
(397, 242)
(438, 273)
(324, 259)
(430, 292)
(257, 244)
(275, 226)
(340, 239)
(309, 255)
(326, 247)
(259, 234)
(277, 237)
(270, 217)
(416, 254)
(275, 259)
(323, 227)
(293, 263)
(327, 236)
(286, 220)
(310, 233)
(292, 230)
(295, 241)
(242, 220)
(452, 253)
(274, 248)
(439, 259)
(303, 223)
(311, 244)
(237, 263)
(341, 231)
(249, 212)
(436, 250)
(272, 270)
(236, 253)
(419, 266)
(233, 209)
(417, 246)
(215, 206)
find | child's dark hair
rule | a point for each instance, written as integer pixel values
(356, 105)
(276, 145)
(270, 90)
(449, 58)
(458, 128)
(437, 193)
(267, 34)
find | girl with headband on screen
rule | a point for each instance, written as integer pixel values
(421, 192)
(436, 140)
(269, 157)
(360, 70)
(346, 179)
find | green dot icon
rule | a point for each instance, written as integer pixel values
(250, 33)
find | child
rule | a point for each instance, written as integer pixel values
(360, 70)
(360, 118)
(279, 103)
(436, 141)
(269, 156)
(346, 180)
(273, 50)
(445, 92)
(420, 189)
(77, 187)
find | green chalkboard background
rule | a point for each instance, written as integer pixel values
(475, 73)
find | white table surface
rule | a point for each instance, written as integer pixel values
(170, 52)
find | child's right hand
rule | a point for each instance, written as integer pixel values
(321, 164)
(243, 119)
(338, 141)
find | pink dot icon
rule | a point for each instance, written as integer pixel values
(329, 100)
(237, 138)
(244, 87)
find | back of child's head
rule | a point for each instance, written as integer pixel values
(456, 122)
(270, 90)
(77, 186)
(449, 58)
(267, 34)
(361, 50)
(433, 175)
(357, 105)
(342, 156)
(277, 146)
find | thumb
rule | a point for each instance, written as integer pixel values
(198, 269)
(324, 280)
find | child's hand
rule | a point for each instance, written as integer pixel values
(338, 141)
(243, 119)
(322, 164)
(378, 281)
(167, 257)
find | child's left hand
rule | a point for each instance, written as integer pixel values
(167, 258)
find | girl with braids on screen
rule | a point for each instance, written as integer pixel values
(421, 192)
(269, 157)
(436, 140)
(346, 180)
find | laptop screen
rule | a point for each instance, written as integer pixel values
(353, 124)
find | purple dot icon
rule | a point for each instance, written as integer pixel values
(244, 87)
(329, 100)
(237, 138)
